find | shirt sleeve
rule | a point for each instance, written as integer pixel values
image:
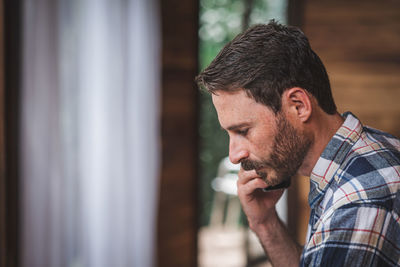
(355, 235)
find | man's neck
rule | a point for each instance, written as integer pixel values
(324, 127)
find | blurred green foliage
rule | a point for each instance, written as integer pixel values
(220, 22)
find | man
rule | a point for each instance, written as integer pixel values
(273, 97)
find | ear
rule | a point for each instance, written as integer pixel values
(297, 102)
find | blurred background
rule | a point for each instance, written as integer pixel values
(109, 154)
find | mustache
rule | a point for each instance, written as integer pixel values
(249, 165)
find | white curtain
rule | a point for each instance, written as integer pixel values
(90, 132)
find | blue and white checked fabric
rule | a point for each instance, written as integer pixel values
(355, 200)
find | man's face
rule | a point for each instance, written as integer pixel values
(259, 139)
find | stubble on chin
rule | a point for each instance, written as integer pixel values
(272, 177)
(269, 175)
(249, 165)
(263, 175)
(265, 170)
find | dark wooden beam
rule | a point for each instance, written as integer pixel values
(177, 219)
(12, 66)
(295, 12)
(3, 230)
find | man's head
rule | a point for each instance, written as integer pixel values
(261, 140)
(265, 61)
(264, 84)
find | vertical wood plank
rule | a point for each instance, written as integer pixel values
(3, 242)
(177, 222)
(11, 80)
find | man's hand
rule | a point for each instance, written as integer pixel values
(259, 206)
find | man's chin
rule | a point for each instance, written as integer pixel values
(273, 179)
(270, 177)
(282, 185)
(263, 175)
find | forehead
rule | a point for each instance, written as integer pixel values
(237, 107)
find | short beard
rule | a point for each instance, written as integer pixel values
(290, 147)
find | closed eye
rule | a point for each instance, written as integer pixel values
(243, 132)
(241, 128)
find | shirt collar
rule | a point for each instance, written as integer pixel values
(332, 157)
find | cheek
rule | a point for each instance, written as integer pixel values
(261, 146)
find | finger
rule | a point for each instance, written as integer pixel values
(246, 176)
(249, 187)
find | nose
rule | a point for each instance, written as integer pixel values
(237, 150)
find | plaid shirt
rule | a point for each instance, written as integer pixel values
(355, 200)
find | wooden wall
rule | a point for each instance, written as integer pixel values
(359, 43)
(177, 222)
(3, 241)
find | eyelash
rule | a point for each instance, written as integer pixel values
(243, 132)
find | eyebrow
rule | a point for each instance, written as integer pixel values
(237, 126)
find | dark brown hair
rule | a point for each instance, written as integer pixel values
(266, 60)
